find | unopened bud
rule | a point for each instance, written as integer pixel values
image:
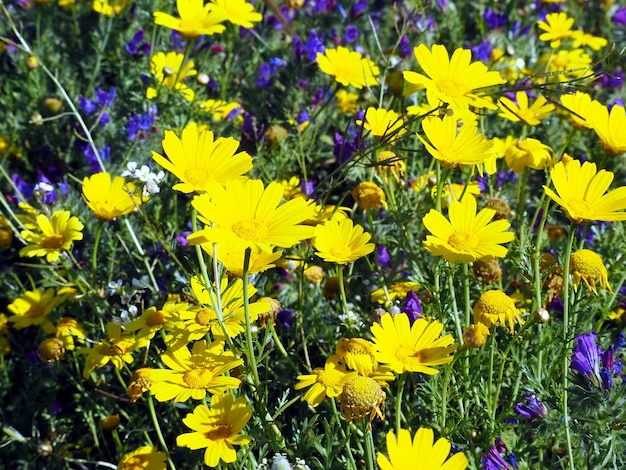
(32, 63)
(542, 315)
(168, 71)
(53, 105)
(203, 79)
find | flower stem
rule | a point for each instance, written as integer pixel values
(401, 382)
(369, 445)
(157, 428)
(252, 365)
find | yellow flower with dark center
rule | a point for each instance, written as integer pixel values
(528, 153)
(357, 354)
(139, 383)
(422, 452)
(198, 160)
(495, 308)
(324, 381)
(475, 336)
(341, 242)
(520, 111)
(143, 458)
(51, 350)
(52, 236)
(582, 193)
(218, 428)
(453, 80)
(33, 308)
(578, 106)
(238, 12)
(348, 67)
(587, 265)
(411, 348)
(453, 146)
(109, 198)
(117, 349)
(383, 123)
(70, 330)
(558, 26)
(248, 213)
(153, 320)
(362, 396)
(169, 71)
(368, 195)
(195, 19)
(467, 236)
(609, 126)
(194, 374)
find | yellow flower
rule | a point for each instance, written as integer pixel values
(169, 71)
(33, 308)
(218, 429)
(347, 102)
(411, 348)
(396, 291)
(110, 7)
(557, 26)
(195, 19)
(495, 308)
(566, 65)
(528, 153)
(421, 453)
(220, 109)
(357, 354)
(467, 236)
(139, 384)
(326, 381)
(453, 146)
(248, 213)
(51, 350)
(348, 67)
(193, 374)
(143, 458)
(341, 242)
(383, 123)
(6, 233)
(581, 192)
(578, 106)
(454, 80)
(152, 320)
(588, 266)
(238, 12)
(362, 396)
(198, 160)
(69, 330)
(582, 39)
(390, 163)
(53, 236)
(609, 126)
(232, 256)
(499, 150)
(368, 195)
(108, 198)
(117, 350)
(520, 111)
(475, 336)
(454, 191)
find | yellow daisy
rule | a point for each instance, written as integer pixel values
(609, 126)
(195, 19)
(347, 102)
(383, 123)
(520, 111)
(217, 429)
(144, 458)
(193, 374)
(422, 452)
(169, 71)
(581, 192)
(558, 26)
(69, 330)
(108, 198)
(528, 153)
(348, 67)
(453, 146)
(110, 7)
(250, 214)
(578, 106)
(454, 80)
(495, 308)
(467, 236)
(357, 354)
(33, 308)
(411, 348)
(198, 160)
(341, 242)
(52, 236)
(565, 64)
(396, 291)
(582, 39)
(324, 381)
(587, 265)
(238, 12)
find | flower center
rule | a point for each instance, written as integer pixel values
(587, 263)
(408, 356)
(362, 391)
(155, 318)
(198, 378)
(134, 463)
(35, 311)
(329, 378)
(451, 88)
(204, 317)
(578, 207)
(463, 242)
(53, 241)
(450, 154)
(218, 433)
(251, 230)
(340, 251)
(197, 176)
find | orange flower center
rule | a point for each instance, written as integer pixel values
(218, 432)
(250, 229)
(204, 317)
(197, 177)
(35, 311)
(54, 241)
(155, 318)
(451, 88)
(198, 378)
(463, 242)
(133, 463)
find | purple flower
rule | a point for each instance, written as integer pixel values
(494, 19)
(351, 34)
(307, 187)
(383, 255)
(136, 45)
(23, 187)
(412, 306)
(286, 317)
(105, 153)
(483, 50)
(268, 70)
(619, 18)
(532, 409)
(86, 105)
(314, 45)
(104, 99)
(404, 46)
(140, 122)
(181, 238)
(600, 368)
(358, 8)
(494, 461)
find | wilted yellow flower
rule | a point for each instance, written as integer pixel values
(529, 153)
(368, 195)
(587, 265)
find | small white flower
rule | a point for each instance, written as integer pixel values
(115, 287)
(132, 169)
(44, 187)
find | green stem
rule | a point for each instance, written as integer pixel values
(94, 254)
(342, 290)
(142, 253)
(401, 383)
(157, 428)
(565, 341)
(369, 445)
(246, 308)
